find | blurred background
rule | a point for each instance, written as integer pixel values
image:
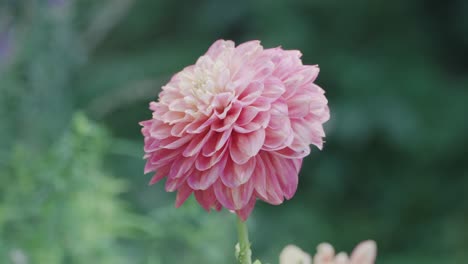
(76, 77)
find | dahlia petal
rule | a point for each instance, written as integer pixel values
(247, 114)
(183, 193)
(317, 141)
(222, 100)
(163, 156)
(260, 122)
(230, 119)
(317, 102)
(249, 144)
(203, 163)
(278, 139)
(262, 118)
(160, 130)
(206, 178)
(287, 175)
(251, 93)
(284, 67)
(181, 166)
(308, 132)
(245, 50)
(172, 184)
(178, 105)
(203, 62)
(160, 174)
(172, 117)
(316, 129)
(215, 142)
(175, 142)
(245, 212)
(145, 131)
(217, 206)
(199, 126)
(151, 145)
(222, 141)
(233, 198)
(309, 73)
(264, 69)
(247, 128)
(146, 123)
(224, 78)
(153, 106)
(209, 148)
(196, 144)
(289, 153)
(274, 193)
(242, 195)
(200, 199)
(274, 88)
(292, 85)
(221, 114)
(237, 155)
(179, 129)
(364, 253)
(262, 104)
(216, 157)
(259, 177)
(149, 167)
(223, 195)
(248, 47)
(169, 95)
(299, 105)
(207, 199)
(237, 174)
(274, 190)
(325, 115)
(218, 47)
(158, 109)
(279, 113)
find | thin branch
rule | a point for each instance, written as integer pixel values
(137, 91)
(104, 21)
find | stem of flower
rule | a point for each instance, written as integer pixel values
(244, 254)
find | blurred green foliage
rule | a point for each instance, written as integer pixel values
(394, 168)
(59, 206)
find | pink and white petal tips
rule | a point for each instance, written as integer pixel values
(235, 127)
(364, 253)
(291, 254)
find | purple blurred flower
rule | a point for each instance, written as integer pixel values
(6, 44)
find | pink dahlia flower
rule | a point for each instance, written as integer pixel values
(235, 126)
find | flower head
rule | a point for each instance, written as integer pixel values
(292, 254)
(235, 126)
(6, 40)
(364, 253)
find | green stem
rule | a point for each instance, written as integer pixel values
(244, 255)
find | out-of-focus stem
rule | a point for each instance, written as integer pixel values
(245, 254)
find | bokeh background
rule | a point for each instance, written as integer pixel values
(76, 77)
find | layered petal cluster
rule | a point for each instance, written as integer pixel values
(292, 254)
(235, 126)
(364, 253)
